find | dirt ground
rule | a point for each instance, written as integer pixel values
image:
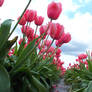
(60, 87)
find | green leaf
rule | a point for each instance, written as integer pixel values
(6, 47)
(28, 86)
(39, 85)
(24, 55)
(4, 32)
(89, 65)
(89, 88)
(80, 90)
(26, 52)
(15, 49)
(4, 80)
(34, 81)
(21, 47)
(45, 82)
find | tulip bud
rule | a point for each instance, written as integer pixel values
(56, 30)
(30, 15)
(1, 2)
(39, 20)
(54, 9)
(22, 21)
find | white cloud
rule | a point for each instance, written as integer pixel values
(69, 5)
(67, 59)
(41, 7)
(80, 26)
(85, 1)
(12, 8)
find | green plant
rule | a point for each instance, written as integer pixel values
(79, 76)
(22, 68)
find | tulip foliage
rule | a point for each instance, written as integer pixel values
(32, 64)
(79, 75)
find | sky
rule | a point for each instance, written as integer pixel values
(76, 18)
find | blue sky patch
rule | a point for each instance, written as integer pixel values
(84, 8)
(70, 14)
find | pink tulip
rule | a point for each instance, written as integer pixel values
(56, 30)
(47, 42)
(1, 2)
(65, 38)
(51, 49)
(39, 20)
(58, 51)
(54, 9)
(82, 56)
(22, 21)
(30, 15)
(43, 30)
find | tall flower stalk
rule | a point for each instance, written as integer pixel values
(20, 18)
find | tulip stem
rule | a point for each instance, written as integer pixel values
(19, 18)
(46, 49)
(42, 45)
(35, 31)
(39, 42)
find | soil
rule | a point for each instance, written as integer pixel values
(60, 87)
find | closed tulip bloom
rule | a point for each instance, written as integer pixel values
(47, 42)
(28, 31)
(30, 34)
(30, 15)
(60, 41)
(58, 44)
(82, 56)
(1, 2)
(58, 51)
(43, 30)
(56, 30)
(23, 29)
(67, 38)
(54, 9)
(22, 21)
(39, 20)
(51, 49)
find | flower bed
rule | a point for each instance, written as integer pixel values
(79, 75)
(32, 64)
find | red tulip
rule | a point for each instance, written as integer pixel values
(22, 21)
(47, 42)
(29, 32)
(1, 2)
(82, 56)
(58, 52)
(39, 20)
(30, 15)
(54, 9)
(51, 49)
(43, 30)
(65, 38)
(56, 30)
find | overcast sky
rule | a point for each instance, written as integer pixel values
(76, 18)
